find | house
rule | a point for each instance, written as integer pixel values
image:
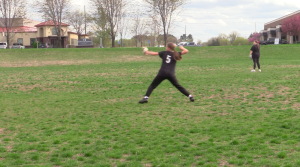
(28, 31)
(272, 29)
(46, 33)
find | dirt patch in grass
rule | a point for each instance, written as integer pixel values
(147, 165)
(130, 58)
(267, 95)
(231, 97)
(30, 87)
(30, 151)
(197, 157)
(9, 148)
(289, 66)
(2, 131)
(35, 63)
(296, 105)
(283, 90)
(223, 162)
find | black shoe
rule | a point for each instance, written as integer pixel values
(192, 99)
(144, 100)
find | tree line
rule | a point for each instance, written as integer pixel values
(233, 38)
(106, 19)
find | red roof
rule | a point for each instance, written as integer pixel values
(50, 23)
(20, 29)
(70, 32)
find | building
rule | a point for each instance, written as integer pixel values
(272, 29)
(28, 31)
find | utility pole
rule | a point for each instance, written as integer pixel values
(84, 21)
(185, 33)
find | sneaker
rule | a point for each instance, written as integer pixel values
(252, 70)
(192, 99)
(144, 100)
(259, 70)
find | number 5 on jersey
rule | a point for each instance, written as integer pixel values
(168, 59)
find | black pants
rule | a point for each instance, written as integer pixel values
(256, 61)
(172, 78)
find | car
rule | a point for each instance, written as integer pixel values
(44, 45)
(188, 44)
(18, 46)
(267, 42)
(182, 44)
(3, 45)
(271, 41)
(283, 41)
(191, 44)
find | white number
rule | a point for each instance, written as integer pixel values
(168, 59)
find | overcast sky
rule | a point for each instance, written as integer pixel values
(209, 18)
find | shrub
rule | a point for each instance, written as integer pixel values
(34, 44)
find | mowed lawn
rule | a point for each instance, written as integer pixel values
(79, 107)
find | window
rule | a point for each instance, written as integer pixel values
(53, 31)
(32, 40)
(20, 40)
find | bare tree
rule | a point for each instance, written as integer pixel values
(155, 28)
(77, 20)
(113, 11)
(123, 27)
(12, 13)
(54, 10)
(232, 36)
(139, 27)
(167, 10)
(199, 42)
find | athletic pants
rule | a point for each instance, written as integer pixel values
(172, 78)
(256, 61)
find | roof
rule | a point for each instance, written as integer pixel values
(284, 17)
(70, 32)
(20, 29)
(50, 23)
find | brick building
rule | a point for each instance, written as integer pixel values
(272, 29)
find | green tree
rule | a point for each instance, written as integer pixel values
(241, 41)
(213, 42)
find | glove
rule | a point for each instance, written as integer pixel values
(145, 49)
(250, 56)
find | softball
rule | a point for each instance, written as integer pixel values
(145, 49)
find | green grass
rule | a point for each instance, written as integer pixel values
(79, 107)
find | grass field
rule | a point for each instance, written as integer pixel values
(79, 107)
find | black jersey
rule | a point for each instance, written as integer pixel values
(255, 50)
(168, 62)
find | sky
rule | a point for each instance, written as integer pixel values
(209, 18)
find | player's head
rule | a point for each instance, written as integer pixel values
(171, 47)
(256, 42)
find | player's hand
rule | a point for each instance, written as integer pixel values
(145, 49)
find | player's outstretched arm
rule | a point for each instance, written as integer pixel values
(151, 53)
(146, 52)
(183, 50)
